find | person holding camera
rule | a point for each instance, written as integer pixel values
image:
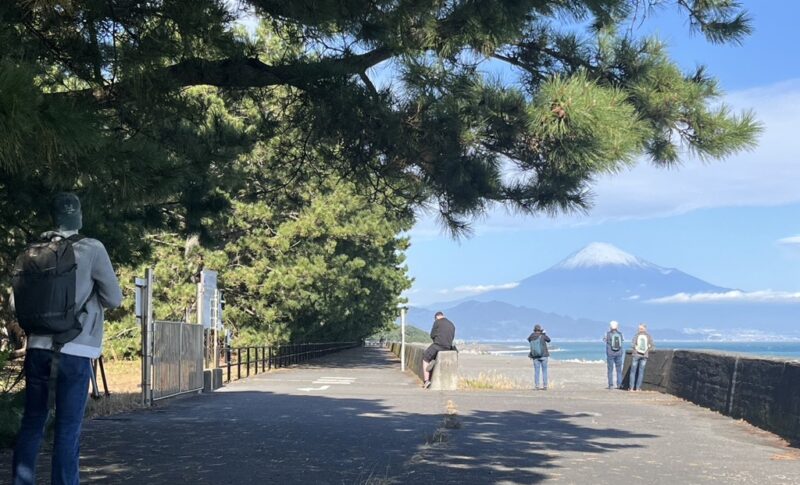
(539, 353)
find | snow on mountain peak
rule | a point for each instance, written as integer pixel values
(602, 254)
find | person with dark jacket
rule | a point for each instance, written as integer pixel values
(442, 334)
(642, 345)
(539, 353)
(615, 354)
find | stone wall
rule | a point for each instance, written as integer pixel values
(445, 374)
(764, 392)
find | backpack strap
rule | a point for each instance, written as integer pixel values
(52, 381)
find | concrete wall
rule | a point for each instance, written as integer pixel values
(764, 392)
(445, 374)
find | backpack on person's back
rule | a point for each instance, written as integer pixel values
(44, 283)
(642, 344)
(615, 341)
(537, 348)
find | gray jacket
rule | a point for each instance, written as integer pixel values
(96, 287)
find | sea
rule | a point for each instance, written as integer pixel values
(584, 351)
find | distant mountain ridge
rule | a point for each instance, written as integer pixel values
(601, 282)
(502, 321)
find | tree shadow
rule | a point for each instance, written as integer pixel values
(262, 437)
(358, 358)
(517, 446)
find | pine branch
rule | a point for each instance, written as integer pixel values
(248, 73)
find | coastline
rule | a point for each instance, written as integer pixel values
(517, 370)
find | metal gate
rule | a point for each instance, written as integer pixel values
(177, 358)
(172, 352)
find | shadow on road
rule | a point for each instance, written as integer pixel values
(517, 446)
(262, 437)
(358, 358)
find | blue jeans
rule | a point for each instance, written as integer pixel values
(71, 392)
(540, 364)
(637, 367)
(614, 361)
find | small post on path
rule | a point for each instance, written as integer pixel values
(144, 312)
(403, 339)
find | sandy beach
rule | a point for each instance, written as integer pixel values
(519, 371)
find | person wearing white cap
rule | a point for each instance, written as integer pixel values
(614, 354)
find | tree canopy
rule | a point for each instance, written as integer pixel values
(168, 116)
(94, 91)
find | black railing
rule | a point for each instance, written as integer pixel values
(240, 361)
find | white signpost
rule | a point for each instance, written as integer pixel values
(209, 314)
(403, 339)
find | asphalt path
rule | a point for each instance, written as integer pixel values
(354, 418)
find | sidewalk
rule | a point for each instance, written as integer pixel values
(353, 417)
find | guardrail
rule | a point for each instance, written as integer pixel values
(273, 357)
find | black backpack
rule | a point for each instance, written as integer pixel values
(44, 289)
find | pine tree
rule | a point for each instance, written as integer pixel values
(146, 107)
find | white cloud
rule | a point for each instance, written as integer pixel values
(766, 176)
(734, 296)
(484, 288)
(475, 289)
(792, 241)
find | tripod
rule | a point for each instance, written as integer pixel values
(98, 362)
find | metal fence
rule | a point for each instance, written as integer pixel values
(241, 361)
(177, 358)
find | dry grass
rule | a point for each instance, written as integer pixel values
(490, 380)
(437, 437)
(125, 386)
(451, 420)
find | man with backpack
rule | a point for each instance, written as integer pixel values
(614, 354)
(539, 353)
(62, 284)
(642, 345)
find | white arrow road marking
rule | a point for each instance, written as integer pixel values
(309, 389)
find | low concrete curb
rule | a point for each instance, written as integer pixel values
(445, 374)
(212, 380)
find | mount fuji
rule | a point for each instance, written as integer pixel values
(597, 280)
(602, 282)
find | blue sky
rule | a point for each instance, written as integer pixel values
(733, 223)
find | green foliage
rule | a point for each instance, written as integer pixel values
(11, 400)
(392, 334)
(274, 158)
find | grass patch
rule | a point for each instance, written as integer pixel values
(437, 437)
(451, 421)
(490, 380)
(125, 385)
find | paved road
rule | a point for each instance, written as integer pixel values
(354, 418)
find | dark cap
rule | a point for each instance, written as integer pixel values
(66, 211)
(537, 328)
(438, 314)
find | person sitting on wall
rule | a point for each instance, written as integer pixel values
(442, 334)
(539, 353)
(615, 354)
(642, 345)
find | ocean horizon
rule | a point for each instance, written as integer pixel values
(594, 351)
